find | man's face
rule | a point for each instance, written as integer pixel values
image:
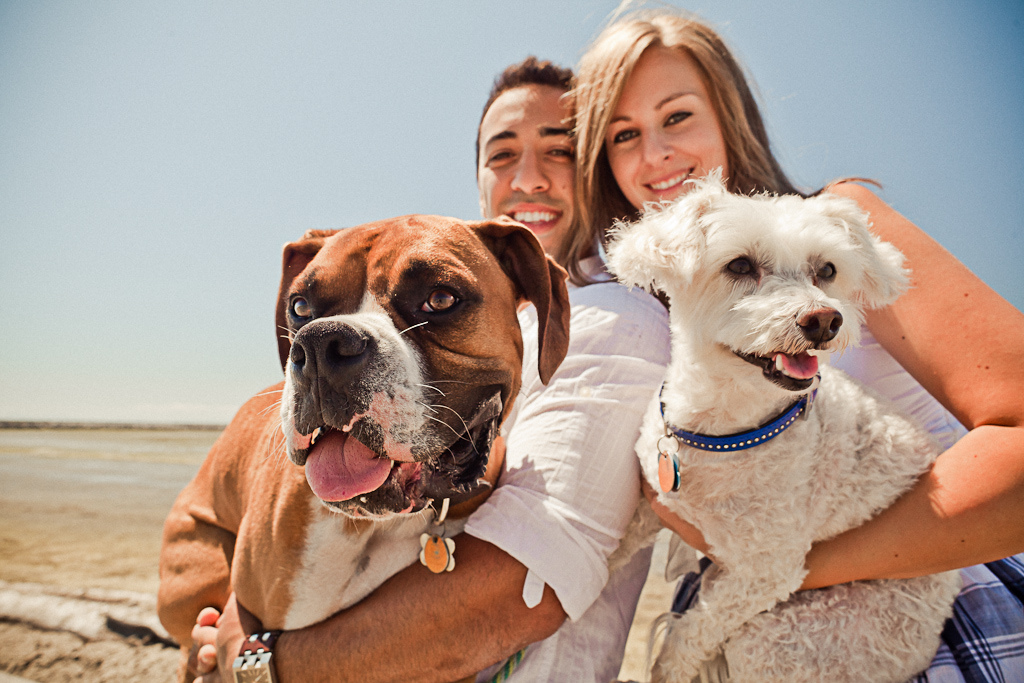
(526, 167)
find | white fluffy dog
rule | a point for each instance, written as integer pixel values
(760, 288)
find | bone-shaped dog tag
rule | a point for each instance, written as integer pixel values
(438, 553)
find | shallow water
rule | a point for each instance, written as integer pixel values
(146, 445)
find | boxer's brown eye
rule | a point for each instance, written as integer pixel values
(439, 300)
(301, 308)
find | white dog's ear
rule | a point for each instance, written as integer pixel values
(666, 244)
(883, 278)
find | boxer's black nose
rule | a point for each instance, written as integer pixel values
(334, 347)
(822, 325)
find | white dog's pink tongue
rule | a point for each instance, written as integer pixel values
(802, 366)
(339, 468)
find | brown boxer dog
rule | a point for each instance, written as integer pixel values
(402, 355)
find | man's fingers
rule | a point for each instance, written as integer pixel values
(203, 635)
(208, 617)
(206, 659)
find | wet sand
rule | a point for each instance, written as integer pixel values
(84, 509)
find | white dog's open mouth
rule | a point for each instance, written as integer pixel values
(794, 372)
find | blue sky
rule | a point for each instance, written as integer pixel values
(154, 158)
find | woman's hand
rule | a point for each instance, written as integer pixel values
(217, 639)
(689, 533)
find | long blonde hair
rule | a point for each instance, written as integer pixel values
(603, 71)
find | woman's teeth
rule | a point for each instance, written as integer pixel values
(671, 182)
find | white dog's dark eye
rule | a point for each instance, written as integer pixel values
(439, 300)
(301, 308)
(741, 266)
(827, 272)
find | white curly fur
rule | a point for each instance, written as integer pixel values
(761, 509)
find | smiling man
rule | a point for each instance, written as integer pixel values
(525, 166)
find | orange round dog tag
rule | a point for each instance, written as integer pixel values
(668, 472)
(438, 554)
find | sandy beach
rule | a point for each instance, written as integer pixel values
(82, 512)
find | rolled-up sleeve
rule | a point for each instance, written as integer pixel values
(571, 481)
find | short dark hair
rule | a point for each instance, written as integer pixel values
(530, 71)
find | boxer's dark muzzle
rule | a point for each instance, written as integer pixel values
(338, 368)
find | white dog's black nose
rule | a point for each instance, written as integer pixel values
(821, 325)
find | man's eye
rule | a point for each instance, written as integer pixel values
(568, 153)
(498, 157)
(741, 266)
(439, 300)
(624, 136)
(301, 308)
(678, 117)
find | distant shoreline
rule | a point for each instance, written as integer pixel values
(153, 426)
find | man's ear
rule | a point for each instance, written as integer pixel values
(297, 256)
(537, 279)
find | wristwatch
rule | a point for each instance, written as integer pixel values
(254, 663)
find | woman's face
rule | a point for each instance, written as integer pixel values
(664, 129)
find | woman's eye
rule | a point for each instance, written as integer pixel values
(827, 272)
(741, 266)
(301, 308)
(439, 300)
(623, 136)
(678, 117)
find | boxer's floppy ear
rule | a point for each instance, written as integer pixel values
(297, 256)
(538, 279)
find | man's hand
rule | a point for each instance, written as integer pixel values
(217, 639)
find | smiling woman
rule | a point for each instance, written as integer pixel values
(658, 98)
(664, 130)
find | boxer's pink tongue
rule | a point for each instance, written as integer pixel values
(802, 366)
(339, 468)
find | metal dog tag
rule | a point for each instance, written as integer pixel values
(668, 472)
(438, 553)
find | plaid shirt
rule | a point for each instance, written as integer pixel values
(983, 642)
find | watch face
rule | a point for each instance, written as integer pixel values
(253, 668)
(260, 675)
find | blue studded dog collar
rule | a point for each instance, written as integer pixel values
(742, 440)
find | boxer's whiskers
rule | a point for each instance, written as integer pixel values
(412, 327)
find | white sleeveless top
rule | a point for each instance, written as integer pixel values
(872, 366)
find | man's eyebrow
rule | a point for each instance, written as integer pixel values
(548, 131)
(503, 135)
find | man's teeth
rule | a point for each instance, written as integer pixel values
(534, 216)
(665, 184)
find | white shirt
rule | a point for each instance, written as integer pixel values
(571, 481)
